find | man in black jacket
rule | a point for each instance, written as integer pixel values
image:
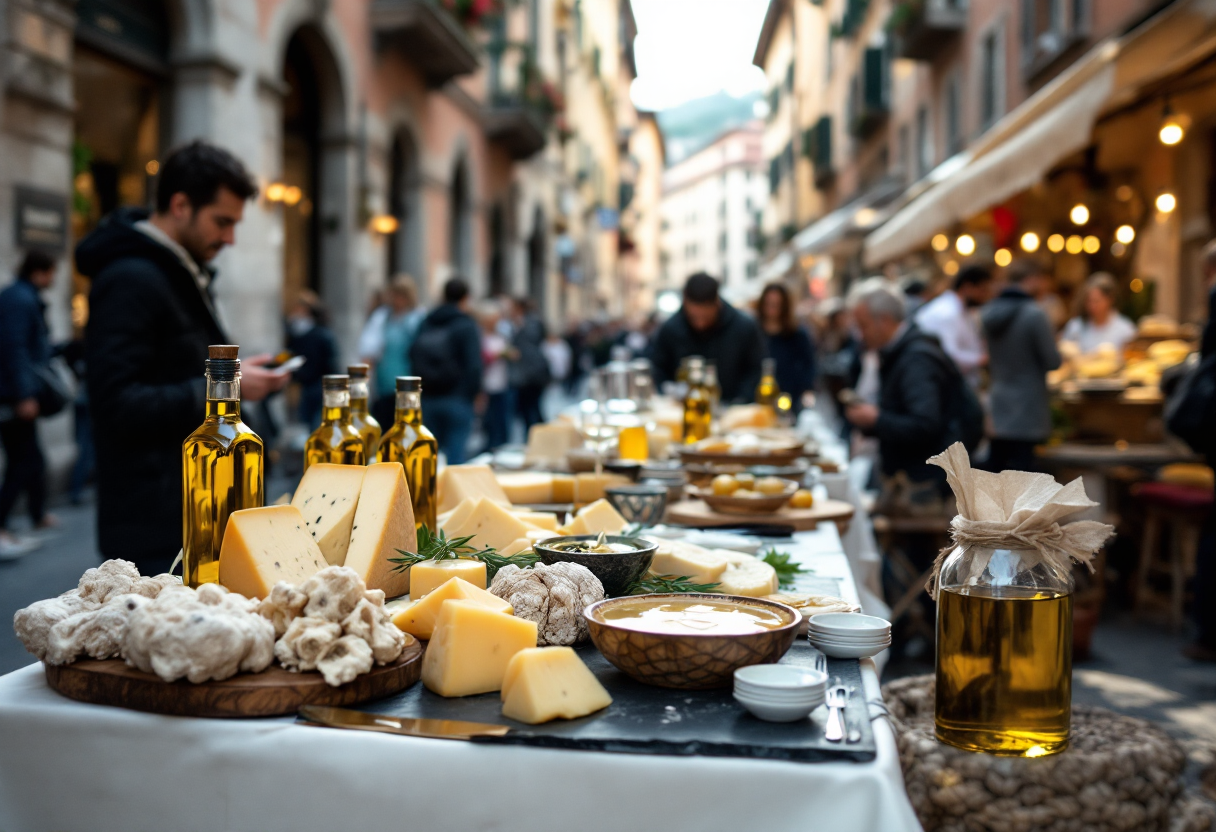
(710, 327)
(151, 318)
(911, 419)
(446, 353)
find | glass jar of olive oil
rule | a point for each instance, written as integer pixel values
(336, 440)
(1004, 652)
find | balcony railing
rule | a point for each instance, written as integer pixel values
(920, 29)
(427, 36)
(521, 104)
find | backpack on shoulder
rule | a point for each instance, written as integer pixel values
(433, 358)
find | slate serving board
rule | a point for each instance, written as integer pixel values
(643, 719)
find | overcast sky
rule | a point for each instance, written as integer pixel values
(687, 49)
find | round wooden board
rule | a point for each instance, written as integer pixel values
(273, 692)
(776, 458)
(697, 513)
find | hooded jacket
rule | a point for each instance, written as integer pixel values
(913, 408)
(734, 343)
(150, 323)
(1021, 351)
(461, 338)
(24, 343)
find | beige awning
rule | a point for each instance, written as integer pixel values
(1054, 123)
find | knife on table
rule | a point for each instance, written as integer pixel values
(443, 729)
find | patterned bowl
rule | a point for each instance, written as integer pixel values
(616, 570)
(689, 661)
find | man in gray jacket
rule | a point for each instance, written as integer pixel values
(1021, 351)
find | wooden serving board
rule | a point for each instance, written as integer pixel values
(697, 513)
(273, 692)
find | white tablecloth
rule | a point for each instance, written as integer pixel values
(72, 767)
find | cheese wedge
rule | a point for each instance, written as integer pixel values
(470, 648)
(490, 524)
(427, 576)
(551, 442)
(600, 516)
(384, 524)
(418, 618)
(327, 497)
(676, 558)
(590, 487)
(753, 578)
(527, 487)
(544, 683)
(563, 488)
(263, 546)
(458, 515)
(515, 547)
(539, 519)
(462, 482)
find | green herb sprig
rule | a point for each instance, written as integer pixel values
(657, 584)
(787, 572)
(438, 546)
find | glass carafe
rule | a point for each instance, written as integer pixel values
(1004, 652)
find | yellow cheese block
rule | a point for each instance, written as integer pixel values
(526, 487)
(461, 482)
(470, 648)
(590, 487)
(490, 524)
(418, 619)
(428, 575)
(263, 546)
(752, 577)
(563, 488)
(515, 547)
(544, 683)
(384, 524)
(458, 515)
(539, 519)
(600, 516)
(675, 558)
(551, 442)
(327, 497)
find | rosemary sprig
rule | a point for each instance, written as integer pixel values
(438, 546)
(787, 572)
(653, 584)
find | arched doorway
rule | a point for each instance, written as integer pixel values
(314, 199)
(405, 245)
(498, 255)
(536, 260)
(460, 222)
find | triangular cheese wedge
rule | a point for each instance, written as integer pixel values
(384, 524)
(327, 497)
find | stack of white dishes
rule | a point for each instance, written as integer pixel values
(780, 692)
(849, 635)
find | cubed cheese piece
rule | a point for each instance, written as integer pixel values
(551, 442)
(327, 497)
(600, 516)
(384, 525)
(544, 683)
(751, 577)
(700, 565)
(563, 488)
(418, 618)
(590, 487)
(527, 487)
(263, 546)
(470, 648)
(461, 482)
(490, 524)
(539, 519)
(428, 575)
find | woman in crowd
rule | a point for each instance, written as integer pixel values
(789, 343)
(386, 341)
(1098, 322)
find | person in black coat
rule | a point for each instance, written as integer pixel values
(151, 319)
(911, 419)
(528, 369)
(446, 353)
(308, 336)
(710, 327)
(789, 343)
(24, 349)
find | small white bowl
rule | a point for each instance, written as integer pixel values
(776, 712)
(877, 637)
(780, 677)
(781, 696)
(849, 623)
(850, 651)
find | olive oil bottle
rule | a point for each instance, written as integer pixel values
(409, 442)
(336, 440)
(767, 390)
(713, 387)
(697, 412)
(364, 422)
(222, 469)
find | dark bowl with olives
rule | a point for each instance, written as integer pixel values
(617, 560)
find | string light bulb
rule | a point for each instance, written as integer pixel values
(1173, 126)
(1030, 242)
(1091, 244)
(384, 224)
(1055, 243)
(1074, 244)
(1003, 257)
(1125, 234)
(1079, 214)
(940, 242)
(1166, 202)
(965, 245)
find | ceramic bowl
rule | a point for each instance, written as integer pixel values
(859, 641)
(844, 651)
(780, 677)
(777, 712)
(849, 624)
(616, 570)
(730, 504)
(643, 504)
(689, 661)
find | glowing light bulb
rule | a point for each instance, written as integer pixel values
(950, 267)
(1166, 202)
(1079, 214)
(940, 242)
(965, 245)
(1074, 244)
(1030, 242)
(1125, 234)
(1003, 257)
(1091, 244)
(1137, 285)
(1055, 243)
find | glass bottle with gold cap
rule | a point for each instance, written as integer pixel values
(364, 422)
(336, 440)
(697, 413)
(713, 387)
(222, 469)
(409, 442)
(767, 390)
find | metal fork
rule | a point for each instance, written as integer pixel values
(821, 661)
(837, 696)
